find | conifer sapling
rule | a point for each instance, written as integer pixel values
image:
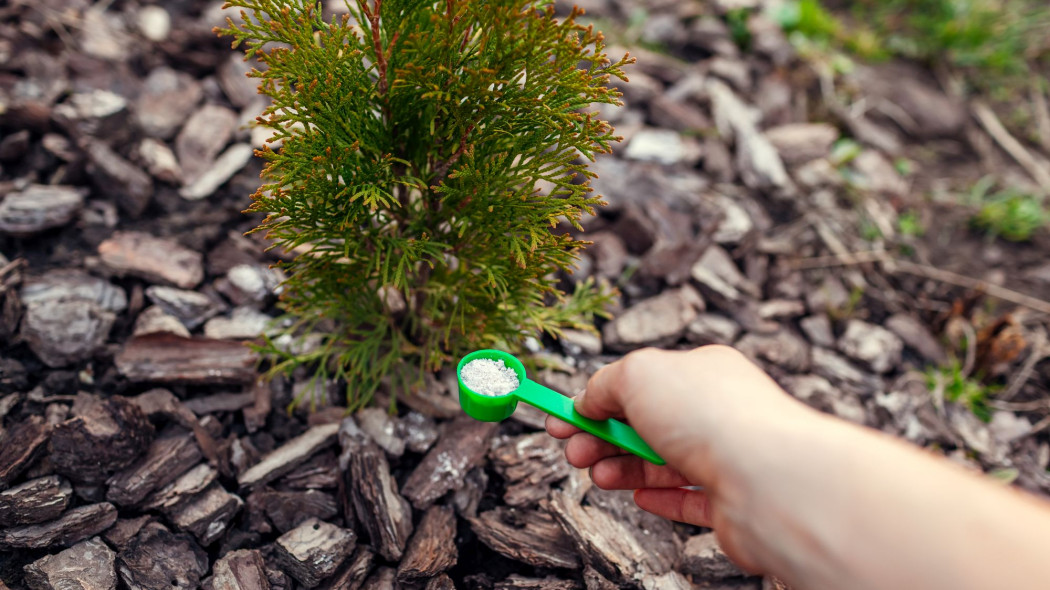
(428, 150)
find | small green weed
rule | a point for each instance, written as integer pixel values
(1011, 214)
(910, 224)
(995, 39)
(960, 388)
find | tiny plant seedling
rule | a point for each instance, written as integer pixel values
(495, 408)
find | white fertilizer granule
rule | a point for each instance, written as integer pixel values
(489, 377)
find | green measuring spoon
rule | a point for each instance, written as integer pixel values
(489, 408)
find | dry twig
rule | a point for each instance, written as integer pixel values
(1041, 112)
(1039, 170)
(925, 271)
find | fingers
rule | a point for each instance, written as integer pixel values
(584, 450)
(627, 472)
(559, 428)
(689, 506)
(608, 391)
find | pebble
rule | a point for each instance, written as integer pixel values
(659, 320)
(153, 22)
(111, 174)
(160, 160)
(71, 284)
(222, 169)
(489, 377)
(663, 147)
(39, 208)
(189, 307)
(235, 83)
(711, 328)
(61, 332)
(873, 345)
(168, 97)
(798, 143)
(917, 336)
(244, 323)
(255, 282)
(151, 258)
(204, 135)
(154, 320)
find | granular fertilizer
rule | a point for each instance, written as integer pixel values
(489, 377)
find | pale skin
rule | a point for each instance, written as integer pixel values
(818, 502)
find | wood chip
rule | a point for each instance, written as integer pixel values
(288, 456)
(170, 455)
(286, 510)
(37, 500)
(23, 444)
(255, 415)
(442, 582)
(704, 558)
(528, 536)
(319, 472)
(385, 514)
(519, 582)
(158, 558)
(126, 529)
(104, 436)
(432, 550)
(353, 571)
(314, 550)
(88, 565)
(461, 447)
(240, 570)
(529, 464)
(219, 402)
(206, 515)
(378, 424)
(603, 542)
(384, 578)
(73, 526)
(168, 358)
(160, 260)
(185, 486)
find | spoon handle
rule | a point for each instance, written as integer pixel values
(610, 430)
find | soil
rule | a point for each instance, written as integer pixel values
(130, 410)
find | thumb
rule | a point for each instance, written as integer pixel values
(606, 393)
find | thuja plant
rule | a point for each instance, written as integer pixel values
(416, 136)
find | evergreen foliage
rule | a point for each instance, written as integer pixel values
(415, 138)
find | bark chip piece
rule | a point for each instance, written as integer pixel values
(75, 525)
(287, 457)
(37, 500)
(314, 550)
(151, 258)
(88, 565)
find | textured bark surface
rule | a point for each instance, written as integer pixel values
(88, 565)
(104, 436)
(461, 447)
(37, 500)
(168, 358)
(314, 550)
(75, 525)
(532, 537)
(432, 549)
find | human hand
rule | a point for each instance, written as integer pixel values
(718, 421)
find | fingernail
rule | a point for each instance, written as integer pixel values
(577, 401)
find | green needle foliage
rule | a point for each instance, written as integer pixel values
(416, 136)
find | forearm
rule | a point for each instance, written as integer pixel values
(877, 513)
